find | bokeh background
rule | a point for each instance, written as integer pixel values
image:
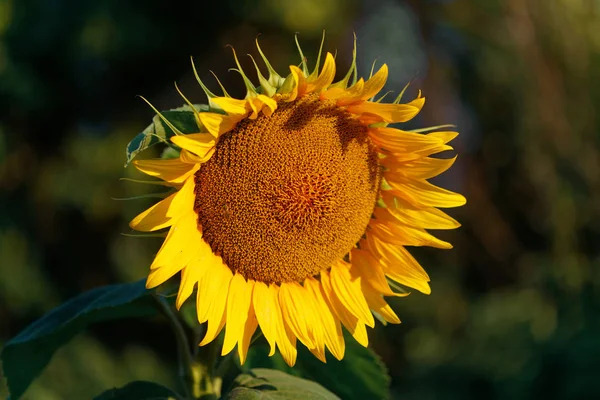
(514, 308)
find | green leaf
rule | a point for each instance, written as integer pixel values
(139, 390)
(159, 132)
(26, 355)
(269, 384)
(359, 375)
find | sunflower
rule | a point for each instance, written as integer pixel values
(294, 206)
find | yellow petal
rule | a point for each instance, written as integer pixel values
(423, 193)
(192, 158)
(175, 246)
(345, 96)
(331, 328)
(325, 78)
(270, 103)
(396, 140)
(189, 278)
(212, 296)
(299, 86)
(286, 341)
(332, 93)
(155, 217)
(268, 314)
(433, 150)
(421, 217)
(397, 254)
(389, 113)
(294, 308)
(315, 327)
(217, 124)
(238, 309)
(173, 170)
(421, 168)
(406, 141)
(269, 109)
(212, 288)
(370, 271)
(354, 325)
(182, 233)
(197, 143)
(446, 136)
(369, 119)
(182, 244)
(256, 106)
(379, 305)
(375, 83)
(167, 211)
(353, 93)
(442, 137)
(399, 264)
(359, 333)
(390, 229)
(349, 293)
(230, 105)
(261, 103)
(247, 332)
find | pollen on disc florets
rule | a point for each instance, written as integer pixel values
(285, 196)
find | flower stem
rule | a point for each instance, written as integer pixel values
(209, 383)
(196, 370)
(184, 357)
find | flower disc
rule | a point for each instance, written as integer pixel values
(283, 197)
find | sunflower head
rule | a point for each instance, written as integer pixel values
(293, 207)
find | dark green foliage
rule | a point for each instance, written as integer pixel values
(139, 391)
(24, 357)
(269, 384)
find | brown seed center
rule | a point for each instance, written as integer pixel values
(301, 203)
(285, 196)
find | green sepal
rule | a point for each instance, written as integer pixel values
(315, 73)
(156, 182)
(287, 85)
(303, 65)
(250, 88)
(144, 196)
(275, 80)
(431, 128)
(265, 87)
(352, 72)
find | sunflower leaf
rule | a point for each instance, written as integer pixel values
(26, 355)
(270, 384)
(359, 375)
(139, 390)
(158, 131)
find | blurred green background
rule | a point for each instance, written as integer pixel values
(514, 307)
